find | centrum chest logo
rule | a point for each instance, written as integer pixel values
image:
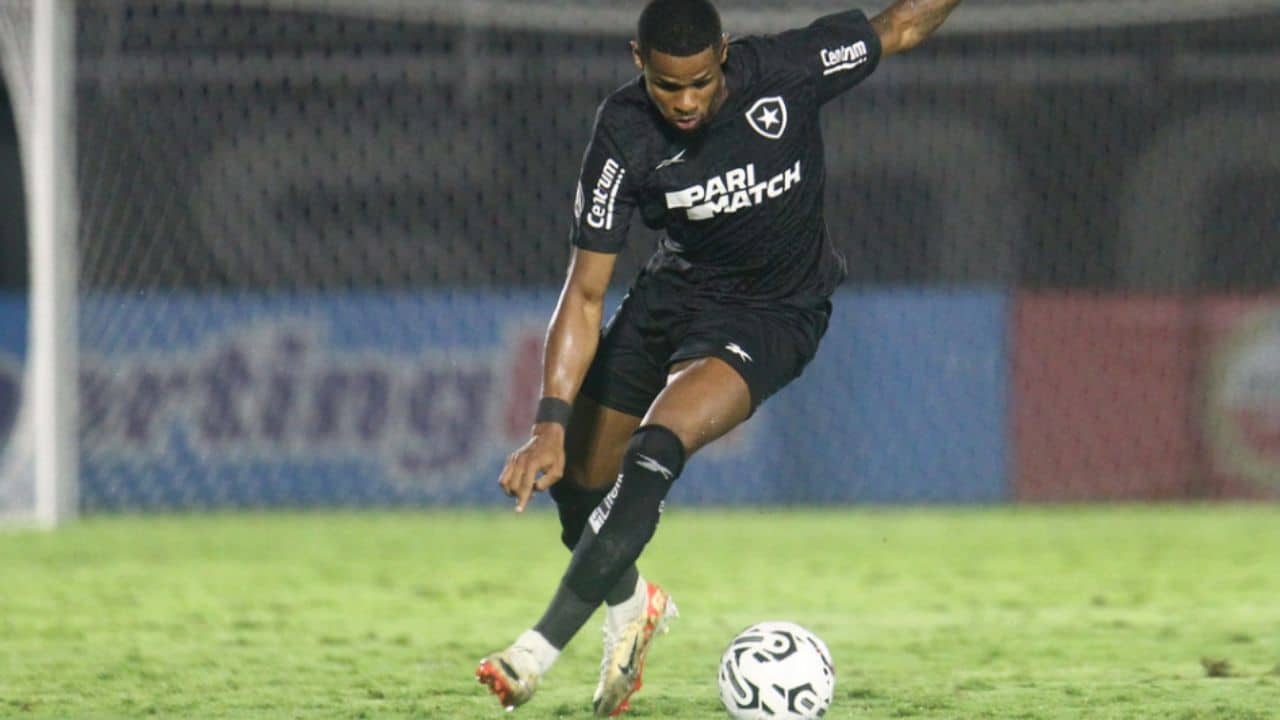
(735, 190)
(768, 116)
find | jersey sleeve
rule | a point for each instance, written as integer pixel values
(837, 51)
(605, 197)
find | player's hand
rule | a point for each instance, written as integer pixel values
(536, 465)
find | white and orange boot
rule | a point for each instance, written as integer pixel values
(511, 674)
(627, 638)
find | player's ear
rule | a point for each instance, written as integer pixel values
(724, 48)
(636, 57)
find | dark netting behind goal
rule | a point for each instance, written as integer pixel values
(320, 241)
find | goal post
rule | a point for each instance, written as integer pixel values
(39, 469)
(53, 361)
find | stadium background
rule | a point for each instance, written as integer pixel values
(320, 241)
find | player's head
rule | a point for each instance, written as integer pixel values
(680, 48)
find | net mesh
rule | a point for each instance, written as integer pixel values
(17, 490)
(320, 242)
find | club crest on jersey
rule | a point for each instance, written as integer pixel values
(768, 117)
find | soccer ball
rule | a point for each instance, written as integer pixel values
(777, 670)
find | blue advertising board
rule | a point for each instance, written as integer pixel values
(908, 400)
(416, 399)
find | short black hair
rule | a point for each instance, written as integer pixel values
(678, 27)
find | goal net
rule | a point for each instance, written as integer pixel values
(318, 242)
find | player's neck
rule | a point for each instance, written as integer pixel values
(718, 101)
(721, 97)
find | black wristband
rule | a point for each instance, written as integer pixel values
(553, 409)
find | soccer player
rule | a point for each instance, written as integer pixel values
(717, 143)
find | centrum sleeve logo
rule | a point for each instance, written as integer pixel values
(735, 190)
(768, 117)
(605, 194)
(845, 57)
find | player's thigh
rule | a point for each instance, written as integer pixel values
(730, 361)
(627, 372)
(596, 439)
(704, 399)
(767, 347)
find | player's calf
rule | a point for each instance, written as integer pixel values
(575, 505)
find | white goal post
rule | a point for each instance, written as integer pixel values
(38, 470)
(53, 359)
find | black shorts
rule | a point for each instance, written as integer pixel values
(660, 324)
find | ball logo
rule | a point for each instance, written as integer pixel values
(1244, 400)
(768, 117)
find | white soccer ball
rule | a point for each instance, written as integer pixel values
(777, 670)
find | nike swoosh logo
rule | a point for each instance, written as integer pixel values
(510, 671)
(677, 158)
(631, 661)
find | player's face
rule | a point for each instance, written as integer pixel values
(687, 90)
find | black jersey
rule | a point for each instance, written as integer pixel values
(741, 200)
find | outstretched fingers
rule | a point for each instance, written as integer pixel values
(508, 480)
(524, 488)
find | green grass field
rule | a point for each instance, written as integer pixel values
(1132, 612)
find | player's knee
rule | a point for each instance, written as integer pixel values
(628, 517)
(657, 449)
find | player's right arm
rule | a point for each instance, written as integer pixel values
(603, 205)
(571, 343)
(906, 23)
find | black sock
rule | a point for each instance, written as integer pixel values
(624, 588)
(566, 614)
(575, 504)
(616, 533)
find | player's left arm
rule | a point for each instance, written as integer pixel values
(906, 23)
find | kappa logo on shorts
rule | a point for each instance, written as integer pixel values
(737, 350)
(768, 117)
